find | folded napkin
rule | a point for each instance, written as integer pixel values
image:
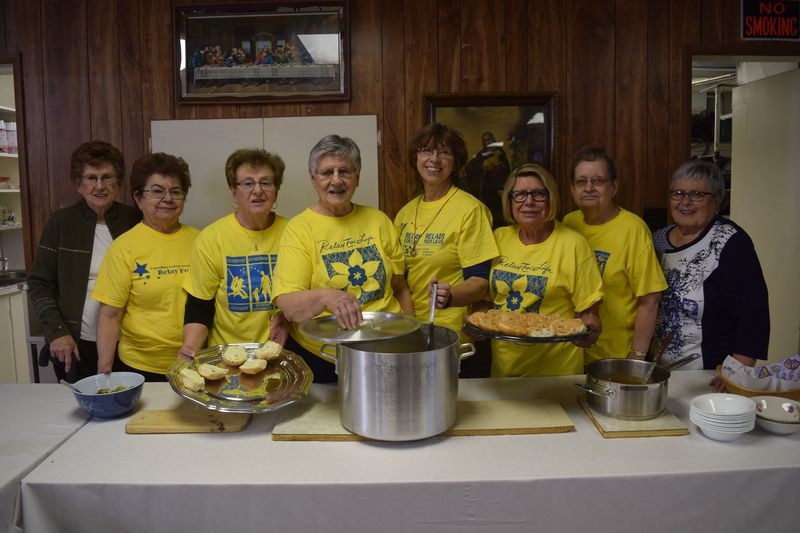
(774, 376)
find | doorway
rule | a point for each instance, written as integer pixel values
(744, 120)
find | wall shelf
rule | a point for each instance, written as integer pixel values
(13, 156)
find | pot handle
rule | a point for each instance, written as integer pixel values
(331, 358)
(610, 393)
(470, 350)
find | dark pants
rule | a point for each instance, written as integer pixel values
(119, 366)
(324, 372)
(84, 368)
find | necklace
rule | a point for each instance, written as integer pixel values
(259, 233)
(411, 250)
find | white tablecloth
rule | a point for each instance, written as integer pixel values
(104, 480)
(264, 72)
(34, 420)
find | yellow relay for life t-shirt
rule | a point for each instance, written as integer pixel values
(451, 233)
(557, 276)
(235, 266)
(357, 253)
(143, 272)
(623, 247)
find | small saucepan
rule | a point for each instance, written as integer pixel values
(614, 387)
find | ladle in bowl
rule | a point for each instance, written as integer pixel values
(671, 366)
(68, 385)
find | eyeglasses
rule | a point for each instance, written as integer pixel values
(694, 196)
(427, 151)
(107, 179)
(538, 195)
(249, 185)
(159, 192)
(328, 174)
(583, 182)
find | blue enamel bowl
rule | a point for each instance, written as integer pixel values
(109, 404)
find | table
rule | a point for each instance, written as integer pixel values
(104, 480)
(264, 72)
(34, 419)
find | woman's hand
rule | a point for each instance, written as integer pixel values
(443, 296)
(64, 349)
(591, 318)
(279, 328)
(717, 385)
(345, 307)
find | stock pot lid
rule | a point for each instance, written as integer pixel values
(376, 326)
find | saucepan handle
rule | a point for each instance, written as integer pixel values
(466, 346)
(329, 357)
(608, 393)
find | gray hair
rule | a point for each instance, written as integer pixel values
(696, 170)
(337, 146)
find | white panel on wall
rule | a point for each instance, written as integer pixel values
(765, 188)
(206, 144)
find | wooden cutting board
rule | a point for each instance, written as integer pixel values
(320, 421)
(664, 425)
(187, 419)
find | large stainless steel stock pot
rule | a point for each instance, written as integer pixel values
(400, 388)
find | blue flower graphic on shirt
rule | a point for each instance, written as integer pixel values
(360, 272)
(521, 291)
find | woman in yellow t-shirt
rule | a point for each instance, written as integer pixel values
(337, 257)
(623, 246)
(233, 261)
(544, 267)
(446, 233)
(140, 283)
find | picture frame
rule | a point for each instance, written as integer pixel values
(502, 132)
(262, 52)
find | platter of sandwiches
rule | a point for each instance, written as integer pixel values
(516, 326)
(242, 377)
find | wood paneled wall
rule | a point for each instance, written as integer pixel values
(102, 69)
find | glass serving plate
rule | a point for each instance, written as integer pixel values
(375, 326)
(286, 380)
(473, 330)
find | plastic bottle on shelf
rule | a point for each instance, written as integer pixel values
(3, 138)
(11, 135)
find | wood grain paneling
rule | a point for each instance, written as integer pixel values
(483, 62)
(105, 68)
(393, 186)
(66, 92)
(515, 48)
(657, 138)
(630, 102)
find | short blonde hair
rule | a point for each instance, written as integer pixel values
(537, 171)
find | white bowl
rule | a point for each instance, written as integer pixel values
(777, 409)
(722, 404)
(723, 436)
(777, 428)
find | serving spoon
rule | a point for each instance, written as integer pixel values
(68, 385)
(431, 327)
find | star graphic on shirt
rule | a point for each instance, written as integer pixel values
(141, 269)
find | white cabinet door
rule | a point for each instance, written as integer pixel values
(14, 366)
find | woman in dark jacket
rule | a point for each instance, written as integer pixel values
(70, 251)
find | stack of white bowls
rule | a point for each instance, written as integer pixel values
(723, 417)
(780, 416)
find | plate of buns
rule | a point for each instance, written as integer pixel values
(242, 377)
(514, 326)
